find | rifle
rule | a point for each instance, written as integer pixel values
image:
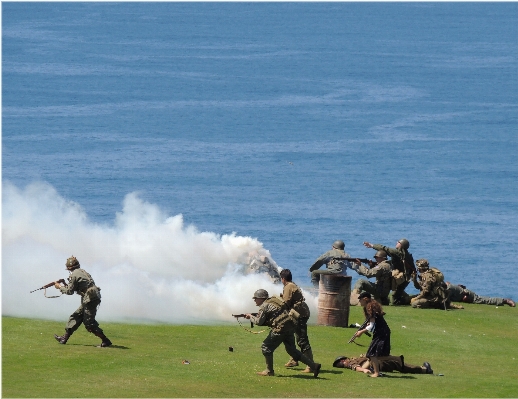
(361, 328)
(362, 260)
(237, 316)
(62, 281)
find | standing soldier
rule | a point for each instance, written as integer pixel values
(292, 296)
(383, 273)
(431, 285)
(82, 283)
(332, 260)
(402, 266)
(273, 313)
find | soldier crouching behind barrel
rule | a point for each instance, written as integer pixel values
(274, 313)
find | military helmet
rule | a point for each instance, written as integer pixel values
(380, 254)
(404, 243)
(72, 263)
(339, 244)
(337, 360)
(260, 294)
(422, 264)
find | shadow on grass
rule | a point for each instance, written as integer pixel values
(98, 346)
(408, 377)
(304, 377)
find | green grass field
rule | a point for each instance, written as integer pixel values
(476, 350)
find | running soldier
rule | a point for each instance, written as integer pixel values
(81, 282)
(292, 296)
(274, 313)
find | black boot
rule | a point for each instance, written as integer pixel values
(62, 339)
(105, 341)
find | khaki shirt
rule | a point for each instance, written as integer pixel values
(82, 283)
(292, 296)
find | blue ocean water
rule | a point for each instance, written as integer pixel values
(293, 123)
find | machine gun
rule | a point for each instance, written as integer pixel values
(361, 328)
(60, 281)
(237, 316)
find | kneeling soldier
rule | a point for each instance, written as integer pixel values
(274, 313)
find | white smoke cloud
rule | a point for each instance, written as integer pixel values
(150, 266)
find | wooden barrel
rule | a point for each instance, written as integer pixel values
(334, 293)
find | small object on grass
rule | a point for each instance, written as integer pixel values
(185, 362)
(231, 349)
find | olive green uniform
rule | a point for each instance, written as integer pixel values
(81, 282)
(274, 314)
(333, 264)
(383, 274)
(459, 293)
(294, 299)
(403, 262)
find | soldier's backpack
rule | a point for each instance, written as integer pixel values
(439, 288)
(439, 277)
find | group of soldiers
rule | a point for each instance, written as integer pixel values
(395, 275)
(287, 315)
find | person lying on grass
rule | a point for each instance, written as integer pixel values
(375, 365)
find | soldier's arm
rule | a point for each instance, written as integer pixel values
(390, 251)
(365, 271)
(287, 295)
(260, 319)
(71, 287)
(319, 262)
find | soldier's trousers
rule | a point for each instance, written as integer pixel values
(400, 297)
(84, 314)
(370, 287)
(427, 303)
(483, 300)
(273, 340)
(301, 334)
(396, 363)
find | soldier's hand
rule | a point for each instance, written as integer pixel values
(57, 285)
(357, 262)
(367, 244)
(248, 315)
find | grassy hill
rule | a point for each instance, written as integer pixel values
(476, 350)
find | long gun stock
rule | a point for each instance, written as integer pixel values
(62, 281)
(361, 328)
(237, 316)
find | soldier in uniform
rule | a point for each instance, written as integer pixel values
(380, 344)
(375, 365)
(432, 291)
(274, 313)
(292, 296)
(332, 260)
(402, 265)
(82, 283)
(383, 273)
(459, 293)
